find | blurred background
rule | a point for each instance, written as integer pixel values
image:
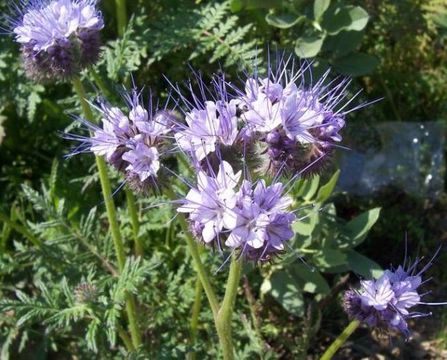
(393, 49)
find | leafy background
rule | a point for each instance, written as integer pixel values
(60, 296)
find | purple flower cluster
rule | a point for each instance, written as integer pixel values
(278, 122)
(250, 217)
(296, 126)
(386, 303)
(132, 142)
(58, 37)
(235, 141)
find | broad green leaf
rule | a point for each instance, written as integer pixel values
(285, 289)
(320, 6)
(336, 19)
(355, 231)
(328, 258)
(326, 190)
(282, 21)
(310, 279)
(356, 64)
(309, 46)
(363, 266)
(343, 43)
(307, 224)
(359, 18)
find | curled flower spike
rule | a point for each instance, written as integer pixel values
(386, 303)
(296, 125)
(58, 38)
(252, 218)
(133, 142)
(210, 130)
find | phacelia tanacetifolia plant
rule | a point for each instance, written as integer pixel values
(244, 148)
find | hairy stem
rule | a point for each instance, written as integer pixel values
(111, 214)
(133, 212)
(338, 342)
(121, 16)
(194, 251)
(224, 316)
(200, 268)
(195, 318)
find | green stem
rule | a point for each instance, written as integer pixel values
(195, 318)
(338, 342)
(194, 251)
(133, 212)
(121, 16)
(224, 316)
(126, 339)
(200, 268)
(100, 83)
(111, 214)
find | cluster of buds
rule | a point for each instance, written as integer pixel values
(58, 38)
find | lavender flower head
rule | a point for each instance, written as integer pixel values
(211, 122)
(133, 141)
(58, 38)
(251, 218)
(386, 303)
(295, 125)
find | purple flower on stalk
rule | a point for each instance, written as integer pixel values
(296, 124)
(211, 119)
(58, 38)
(132, 142)
(250, 218)
(386, 303)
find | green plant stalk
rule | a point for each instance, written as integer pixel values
(111, 215)
(200, 268)
(133, 212)
(224, 316)
(195, 318)
(194, 251)
(121, 16)
(338, 342)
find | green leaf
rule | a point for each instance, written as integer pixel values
(355, 231)
(343, 43)
(326, 190)
(356, 64)
(307, 188)
(310, 279)
(320, 6)
(286, 291)
(336, 19)
(309, 46)
(282, 21)
(306, 225)
(359, 18)
(328, 258)
(363, 266)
